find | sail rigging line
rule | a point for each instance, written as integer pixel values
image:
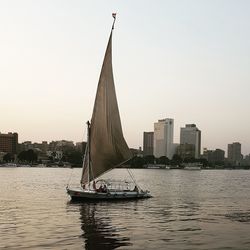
(114, 167)
(128, 170)
(84, 135)
(69, 178)
(133, 178)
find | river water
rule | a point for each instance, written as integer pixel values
(208, 209)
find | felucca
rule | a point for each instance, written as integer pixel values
(106, 147)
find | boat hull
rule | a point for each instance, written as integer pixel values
(81, 194)
(192, 168)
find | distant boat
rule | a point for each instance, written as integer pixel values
(157, 166)
(193, 166)
(8, 165)
(106, 147)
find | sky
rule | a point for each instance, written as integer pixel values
(186, 60)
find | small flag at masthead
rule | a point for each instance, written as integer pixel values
(114, 16)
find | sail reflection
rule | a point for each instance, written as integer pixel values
(98, 232)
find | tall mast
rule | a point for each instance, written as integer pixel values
(114, 16)
(88, 127)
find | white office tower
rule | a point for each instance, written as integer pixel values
(163, 138)
(191, 135)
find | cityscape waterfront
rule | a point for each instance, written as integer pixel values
(158, 148)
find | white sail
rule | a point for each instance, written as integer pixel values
(107, 146)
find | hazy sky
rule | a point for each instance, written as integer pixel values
(186, 60)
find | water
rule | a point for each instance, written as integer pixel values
(207, 209)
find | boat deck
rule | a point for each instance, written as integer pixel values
(82, 194)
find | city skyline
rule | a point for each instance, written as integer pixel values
(183, 60)
(148, 141)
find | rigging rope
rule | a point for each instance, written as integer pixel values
(69, 178)
(133, 178)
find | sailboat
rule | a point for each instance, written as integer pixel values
(106, 147)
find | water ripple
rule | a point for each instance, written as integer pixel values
(239, 216)
(189, 210)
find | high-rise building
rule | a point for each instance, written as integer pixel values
(148, 143)
(186, 150)
(191, 135)
(234, 152)
(216, 156)
(8, 143)
(246, 161)
(163, 138)
(175, 148)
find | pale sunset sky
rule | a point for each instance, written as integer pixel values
(186, 60)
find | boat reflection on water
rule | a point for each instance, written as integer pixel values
(98, 232)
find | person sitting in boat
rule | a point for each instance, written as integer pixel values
(100, 189)
(105, 189)
(94, 185)
(136, 189)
